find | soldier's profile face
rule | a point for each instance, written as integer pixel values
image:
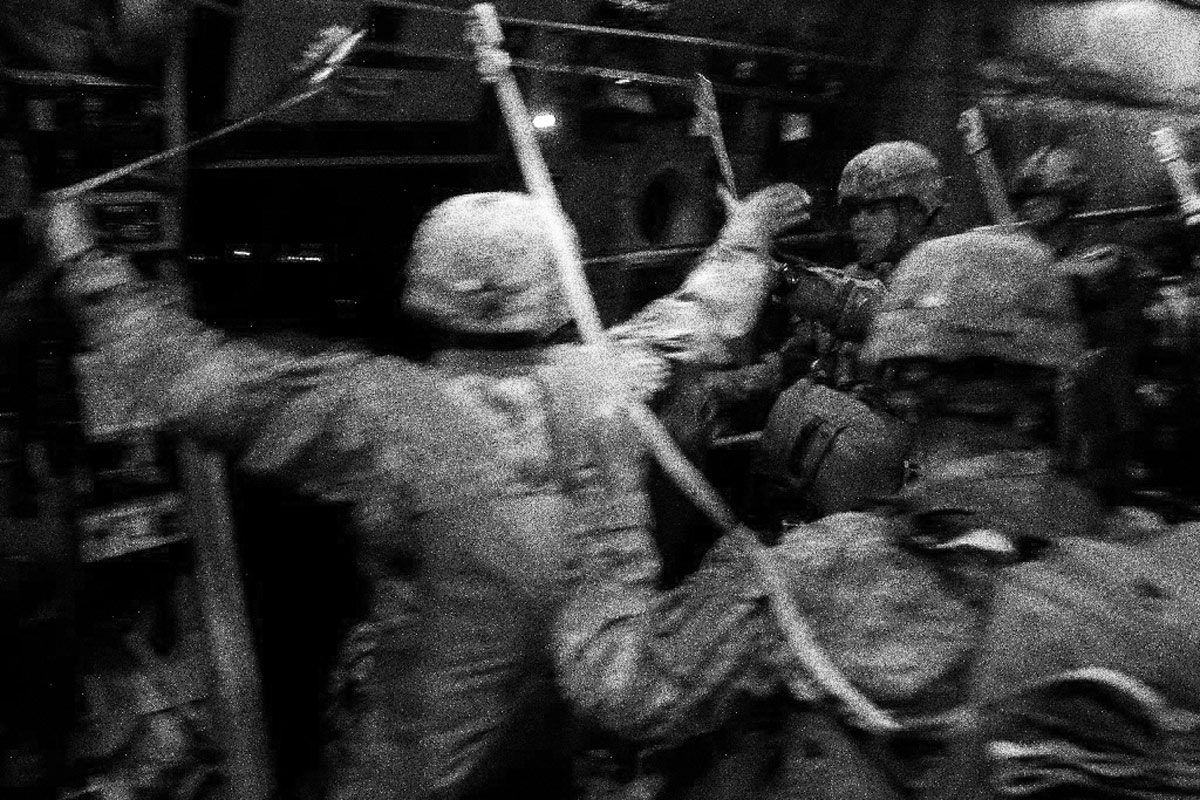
(874, 227)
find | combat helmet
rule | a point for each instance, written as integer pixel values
(981, 294)
(893, 170)
(483, 264)
(1052, 170)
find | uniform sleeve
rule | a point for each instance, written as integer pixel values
(662, 666)
(708, 321)
(330, 423)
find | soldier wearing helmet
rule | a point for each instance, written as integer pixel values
(828, 444)
(482, 271)
(892, 193)
(1113, 284)
(464, 479)
(479, 266)
(1047, 188)
(973, 336)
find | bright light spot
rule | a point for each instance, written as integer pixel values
(241, 253)
(544, 121)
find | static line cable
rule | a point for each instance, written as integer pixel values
(321, 60)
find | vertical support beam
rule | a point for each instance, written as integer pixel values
(236, 692)
(969, 20)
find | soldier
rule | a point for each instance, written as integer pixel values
(972, 337)
(1047, 188)
(892, 193)
(483, 274)
(1114, 286)
(463, 478)
(386, 437)
(829, 445)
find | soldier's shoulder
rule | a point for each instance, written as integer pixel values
(845, 536)
(593, 371)
(587, 391)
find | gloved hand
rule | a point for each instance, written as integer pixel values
(67, 234)
(66, 230)
(764, 214)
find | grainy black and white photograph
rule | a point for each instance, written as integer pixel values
(599, 400)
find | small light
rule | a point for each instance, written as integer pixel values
(544, 121)
(241, 253)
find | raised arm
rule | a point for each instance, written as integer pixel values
(708, 320)
(339, 424)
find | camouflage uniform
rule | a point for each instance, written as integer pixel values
(1114, 285)
(384, 436)
(828, 444)
(463, 479)
(897, 599)
(830, 309)
(543, 406)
